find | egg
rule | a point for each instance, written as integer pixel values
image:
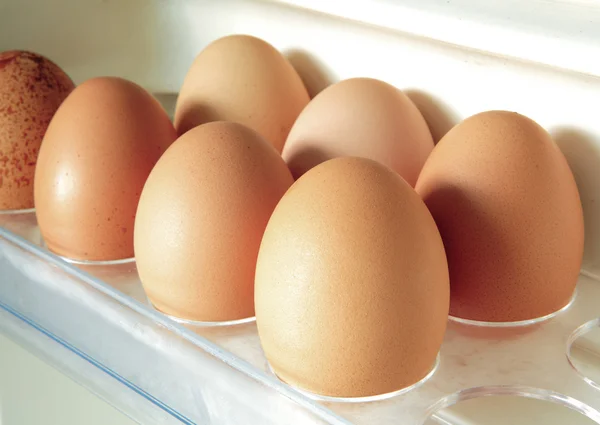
(242, 79)
(201, 218)
(351, 282)
(31, 90)
(93, 163)
(360, 117)
(508, 210)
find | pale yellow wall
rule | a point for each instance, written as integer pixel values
(34, 393)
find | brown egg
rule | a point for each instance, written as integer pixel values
(31, 89)
(360, 117)
(96, 155)
(508, 211)
(201, 218)
(351, 282)
(246, 80)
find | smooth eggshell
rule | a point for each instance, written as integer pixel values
(31, 90)
(509, 213)
(351, 282)
(94, 160)
(246, 80)
(201, 218)
(360, 117)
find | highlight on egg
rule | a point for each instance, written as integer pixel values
(31, 89)
(360, 117)
(94, 160)
(242, 79)
(201, 218)
(351, 287)
(507, 207)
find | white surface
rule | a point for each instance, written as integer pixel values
(32, 392)
(561, 33)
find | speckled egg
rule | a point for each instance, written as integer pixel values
(351, 282)
(360, 117)
(242, 79)
(94, 160)
(201, 218)
(31, 90)
(508, 210)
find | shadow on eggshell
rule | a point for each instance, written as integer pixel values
(452, 207)
(311, 155)
(439, 117)
(313, 73)
(583, 157)
(195, 113)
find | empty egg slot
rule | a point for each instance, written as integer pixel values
(515, 405)
(583, 352)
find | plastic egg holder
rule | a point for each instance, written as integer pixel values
(457, 387)
(378, 397)
(131, 260)
(22, 222)
(97, 263)
(435, 412)
(583, 345)
(21, 211)
(92, 262)
(451, 374)
(474, 362)
(194, 323)
(519, 323)
(485, 391)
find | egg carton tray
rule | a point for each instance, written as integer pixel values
(94, 322)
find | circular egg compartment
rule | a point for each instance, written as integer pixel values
(520, 323)
(17, 212)
(583, 352)
(110, 267)
(91, 263)
(121, 273)
(196, 323)
(522, 366)
(379, 397)
(510, 404)
(96, 263)
(522, 403)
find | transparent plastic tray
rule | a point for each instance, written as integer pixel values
(94, 322)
